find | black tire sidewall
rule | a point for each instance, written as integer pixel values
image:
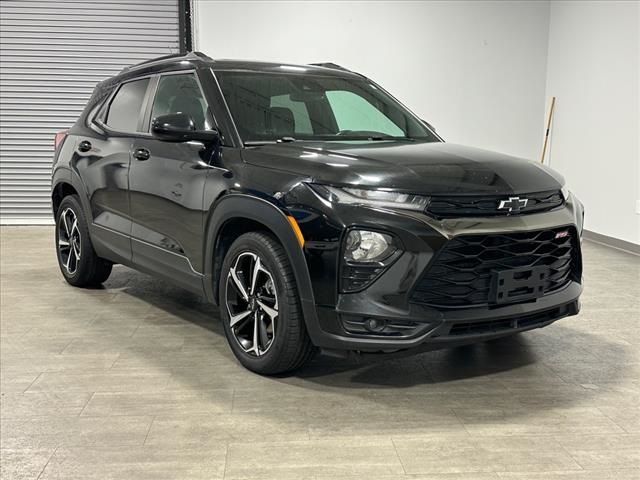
(249, 243)
(86, 249)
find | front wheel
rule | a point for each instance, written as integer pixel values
(260, 307)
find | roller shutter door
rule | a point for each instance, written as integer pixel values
(53, 54)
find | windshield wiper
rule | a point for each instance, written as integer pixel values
(332, 138)
(368, 138)
(370, 135)
(377, 138)
(256, 143)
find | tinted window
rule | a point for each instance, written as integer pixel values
(182, 94)
(301, 119)
(268, 106)
(354, 113)
(125, 107)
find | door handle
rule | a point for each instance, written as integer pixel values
(141, 154)
(84, 146)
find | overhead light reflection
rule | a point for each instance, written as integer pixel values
(337, 155)
(293, 67)
(371, 178)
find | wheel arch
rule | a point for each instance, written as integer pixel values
(66, 182)
(61, 190)
(235, 214)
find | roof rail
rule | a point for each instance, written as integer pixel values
(335, 66)
(174, 56)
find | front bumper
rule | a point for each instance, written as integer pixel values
(440, 329)
(389, 298)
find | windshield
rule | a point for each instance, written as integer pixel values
(269, 107)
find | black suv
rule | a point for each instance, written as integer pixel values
(313, 208)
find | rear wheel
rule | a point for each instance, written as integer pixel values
(260, 307)
(78, 262)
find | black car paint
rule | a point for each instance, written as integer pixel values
(167, 214)
(420, 167)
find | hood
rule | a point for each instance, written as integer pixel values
(427, 168)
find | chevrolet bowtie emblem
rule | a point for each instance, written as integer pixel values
(513, 204)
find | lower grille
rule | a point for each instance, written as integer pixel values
(503, 325)
(460, 275)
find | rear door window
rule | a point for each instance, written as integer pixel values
(126, 107)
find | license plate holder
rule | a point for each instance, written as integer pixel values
(517, 284)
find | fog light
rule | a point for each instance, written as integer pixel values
(375, 325)
(368, 247)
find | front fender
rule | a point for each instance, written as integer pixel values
(243, 206)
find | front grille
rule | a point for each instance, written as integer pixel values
(460, 274)
(453, 206)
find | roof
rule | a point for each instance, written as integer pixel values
(257, 66)
(196, 59)
(167, 60)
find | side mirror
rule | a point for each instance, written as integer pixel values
(179, 127)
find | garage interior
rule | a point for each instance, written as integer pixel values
(135, 380)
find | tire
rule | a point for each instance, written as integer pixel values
(263, 342)
(73, 241)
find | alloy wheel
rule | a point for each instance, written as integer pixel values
(69, 241)
(252, 303)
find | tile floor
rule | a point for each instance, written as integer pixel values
(135, 381)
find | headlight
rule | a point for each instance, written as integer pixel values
(579, 208)
(370, 197)
(368, 247)
(366, 256)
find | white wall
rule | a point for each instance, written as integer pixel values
(594, 54)
(475, 70)
(481, 72)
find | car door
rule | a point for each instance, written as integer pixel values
(102, 160)
(166, 185)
